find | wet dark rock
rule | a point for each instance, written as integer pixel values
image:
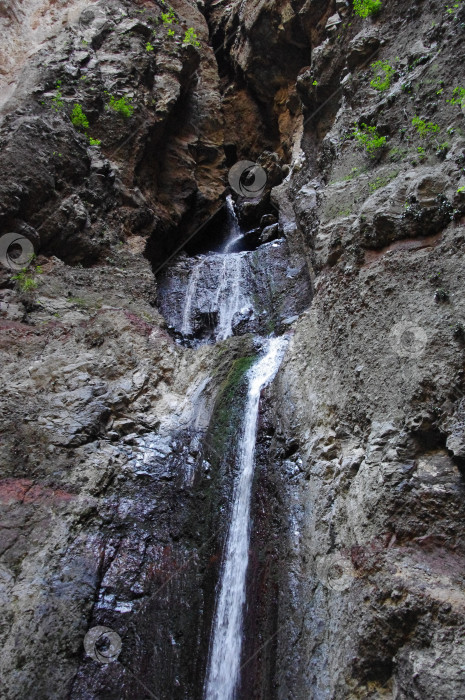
(362, 47)
(267, 220)
(270, 233)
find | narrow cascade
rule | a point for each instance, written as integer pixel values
(229, 299)
(186, 328)
(234, 227)
(225, 269)
(226, 640)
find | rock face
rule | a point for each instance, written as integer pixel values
(121, 428)
(270, 287)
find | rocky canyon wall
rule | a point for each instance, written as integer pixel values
(119, 439)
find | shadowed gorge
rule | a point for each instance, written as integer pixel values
(232, 334)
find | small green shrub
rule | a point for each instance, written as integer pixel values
(461, 189)
(57, 101)
(171, 32)
(424, 128)
(149, 47)
(190, 37)
(383, 75)
(25, 279)
(452, 10)
(369, 138)
(122, 106)
(365, 8)
(94, 142)
(169, 17)
(458, 97)
(78, 118)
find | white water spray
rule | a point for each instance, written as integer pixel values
(229, 297)
(234, 226)
(225, 647)
(186, 327)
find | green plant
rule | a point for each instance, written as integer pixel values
(442, 149)
(169, 17)
(94, 142)
(343, 212)
(369, 138)
(355, 172)
(418, 61)
(459, 98)
(382, 181)
(122, 106)
(424, 128)
(315, 83)
(149, 47)
(365, 8)
(421, 152)
(57, 101)
(461, 189)
(383, 75)
(171, 32)
(78, 118)
(396, 154)
(25, 278)
(190, 37)
(452, 10)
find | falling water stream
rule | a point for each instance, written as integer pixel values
(226, 640)
(190, 293)
(230, 297)
(216, 283)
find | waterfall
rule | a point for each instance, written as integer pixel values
(226, 641)
(186, 328)
(234, 226)
(229, 297)
(229, 269)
